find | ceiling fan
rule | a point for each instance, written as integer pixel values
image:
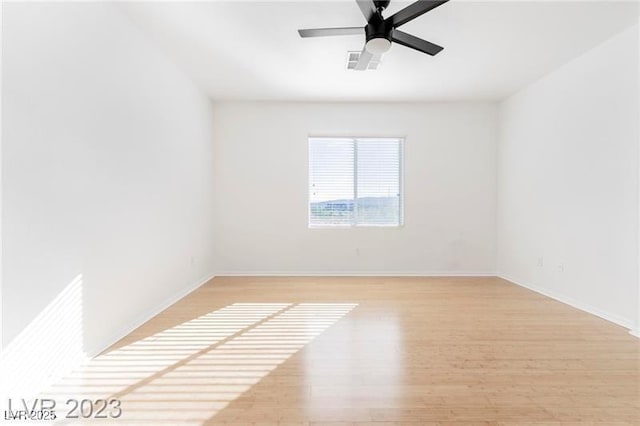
(380, 32)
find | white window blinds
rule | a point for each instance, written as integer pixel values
(355, 182)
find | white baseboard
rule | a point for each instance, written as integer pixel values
(143, 318)
(355, 274)
(574, 303)
(146, 316)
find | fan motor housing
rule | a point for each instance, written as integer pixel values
(378, 28)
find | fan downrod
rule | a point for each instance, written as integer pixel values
(381, 4)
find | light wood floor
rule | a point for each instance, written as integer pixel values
(368, 351)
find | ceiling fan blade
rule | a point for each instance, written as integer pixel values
(323, 32)
(413, 11)
(365, 59)
(368, 8)
(415, 43)
(363, 62)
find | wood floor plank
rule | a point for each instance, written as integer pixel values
(368, 351)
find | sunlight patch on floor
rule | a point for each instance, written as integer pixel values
(189, 373)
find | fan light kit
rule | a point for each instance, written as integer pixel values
(380, 32)
(378, 46)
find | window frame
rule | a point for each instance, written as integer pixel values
(401, 179)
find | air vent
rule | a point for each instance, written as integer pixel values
(354, 57)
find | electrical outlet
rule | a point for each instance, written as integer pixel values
(540, 262)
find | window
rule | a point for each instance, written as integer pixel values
(355, 182)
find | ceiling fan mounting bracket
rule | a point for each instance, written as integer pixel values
(381, 4)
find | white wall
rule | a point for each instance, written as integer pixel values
(636, 331)
(568, 182)
(261, 180)
(107, 178)
(1, 310)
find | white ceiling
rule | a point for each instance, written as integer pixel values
(251, 50)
